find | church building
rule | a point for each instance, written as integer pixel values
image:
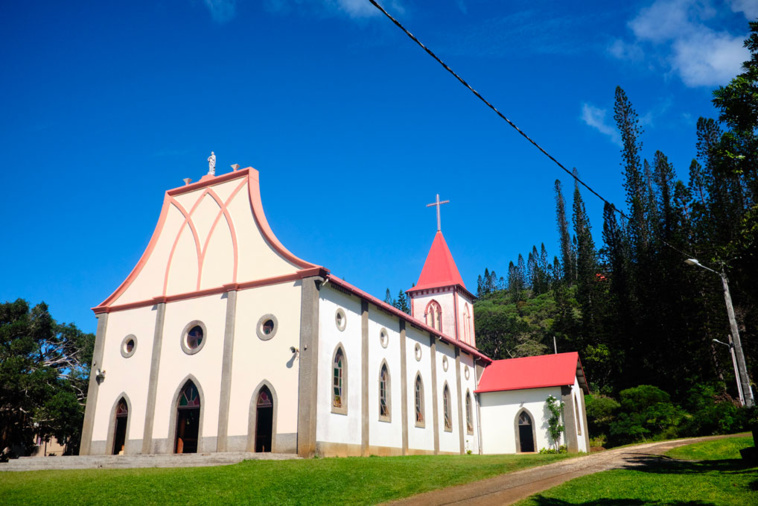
(221, 340)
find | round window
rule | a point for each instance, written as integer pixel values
(128, 346)
(417, 351)
(466, 372)
(267, 327)
(444, 364)
(384, 338)
(340, 319)
(193, 337)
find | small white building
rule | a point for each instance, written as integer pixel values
(222, 340)
(512, 397)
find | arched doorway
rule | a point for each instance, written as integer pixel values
(525, 432)
(264, 420)
(187, 419)
(119, 433)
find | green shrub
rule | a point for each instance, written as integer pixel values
(601, 411)
(646, 412)
(553, 451)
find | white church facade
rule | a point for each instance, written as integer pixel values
(222, 340)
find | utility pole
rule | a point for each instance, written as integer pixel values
(736, 343)
(747, 391)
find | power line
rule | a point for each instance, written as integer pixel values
(480, 97)
(511, 123)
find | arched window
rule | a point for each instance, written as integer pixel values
(446, 408)
(466, 324)
(578, 418)
(469, 417)
(339, 382)
(433, 315)
(384, 394)
(419, 390)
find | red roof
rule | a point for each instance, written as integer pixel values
(533, 372)
(439, 269)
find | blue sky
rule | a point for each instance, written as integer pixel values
(354, 129)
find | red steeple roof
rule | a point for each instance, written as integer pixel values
(439, 269)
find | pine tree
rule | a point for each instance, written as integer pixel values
(634, 184)
(388, 298)
(402, 302)
(567, 252)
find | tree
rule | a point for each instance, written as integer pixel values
(567, 252)
(44, 369)
(388, 298)
(402, 302)
(634, 184)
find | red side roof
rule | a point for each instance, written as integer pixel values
(439, 269)
(533, 372)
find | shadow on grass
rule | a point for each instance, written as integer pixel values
(547, 501)
(661, 464)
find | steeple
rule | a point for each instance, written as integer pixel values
(440, 299)
(439, 269)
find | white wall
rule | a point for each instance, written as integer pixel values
(581, 429)
(419, 438)
(446, 301)
(449, 440)
(471, 441)
(384, 433)
(462, 301)
(334, 427)
(255, 360)
(128, 375)
(204, 365)
(499, 411)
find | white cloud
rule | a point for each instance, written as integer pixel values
(221, 10)
(747, 7)
(679, 34)
(354, 9)
(595, 117)
(708, 60)
(625, 51)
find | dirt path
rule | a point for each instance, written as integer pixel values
(512, 487)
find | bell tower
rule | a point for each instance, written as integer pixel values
(440, 299)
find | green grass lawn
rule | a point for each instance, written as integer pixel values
(708, 473)
(312, 481)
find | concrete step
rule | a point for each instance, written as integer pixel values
(134, 461)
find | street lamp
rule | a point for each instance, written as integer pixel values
(736, 344)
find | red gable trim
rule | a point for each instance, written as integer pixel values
(532, 372)
(254, 195)
(408, 318)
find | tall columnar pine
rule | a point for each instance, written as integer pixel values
(634, 178)
(402, 302)
(589, 280)
(567, 249)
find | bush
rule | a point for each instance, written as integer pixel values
(553, 451)
(646, 412)
(601, 411)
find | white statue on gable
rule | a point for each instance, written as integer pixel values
(212, 164)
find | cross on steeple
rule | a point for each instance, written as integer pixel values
(438, 204)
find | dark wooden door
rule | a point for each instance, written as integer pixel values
(119, 438)
(187, 424)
